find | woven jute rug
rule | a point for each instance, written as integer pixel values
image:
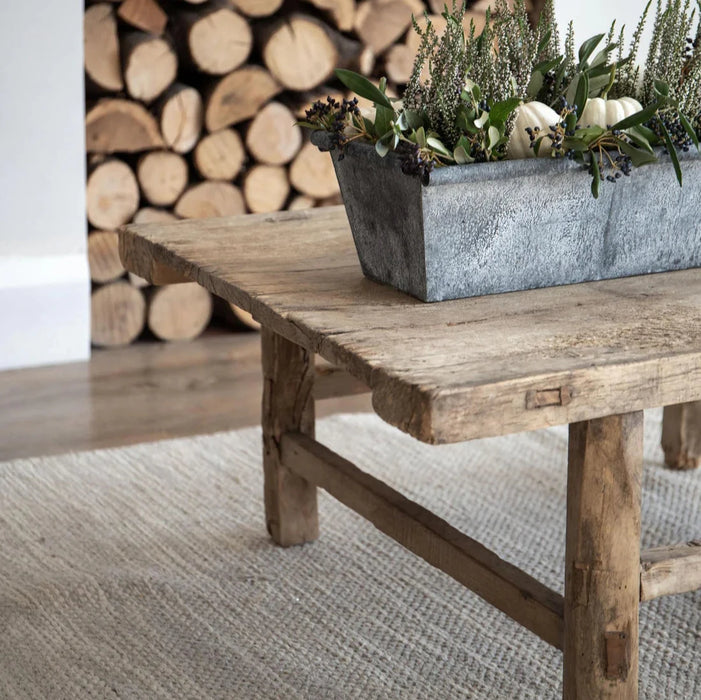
(146, 572)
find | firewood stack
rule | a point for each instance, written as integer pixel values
(191, 107)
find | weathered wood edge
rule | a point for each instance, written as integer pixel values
(437, 416)
(511, 590)
(670, 570)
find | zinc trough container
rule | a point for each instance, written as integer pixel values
(512, 225)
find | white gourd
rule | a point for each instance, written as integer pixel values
(531, 114)
(604, 113)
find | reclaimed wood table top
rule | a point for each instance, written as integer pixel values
(447, 371)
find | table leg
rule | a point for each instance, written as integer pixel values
(681, 435)
(602, 576)
(288, 406)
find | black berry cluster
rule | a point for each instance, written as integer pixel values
(334, 117)
(677, 132)
(414, 161)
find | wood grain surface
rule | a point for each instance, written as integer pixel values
(455, 370)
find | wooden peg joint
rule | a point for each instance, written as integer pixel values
(617, 656)
(540, 398)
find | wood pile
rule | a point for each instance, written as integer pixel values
(190, 113)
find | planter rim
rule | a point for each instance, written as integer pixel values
(471, 172)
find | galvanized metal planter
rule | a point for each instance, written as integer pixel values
(520, 224)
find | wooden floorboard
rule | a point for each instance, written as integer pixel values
(141, 393)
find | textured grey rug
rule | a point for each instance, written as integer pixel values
(146, 573)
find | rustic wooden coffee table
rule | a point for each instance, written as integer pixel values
(590, 355)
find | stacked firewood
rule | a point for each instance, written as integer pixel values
(190, 113)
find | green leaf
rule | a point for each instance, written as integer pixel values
(661, 88)
(537, 144)
(649, 134)
(572, 143)
(461, 156)
(535, 85)
(582, 94)
(493, 136)
(482, 121)
(639, 137)
(413, 118)
(590, 133)
(571, 121)
(587, 48)
(644, 115)
(596, 177)
(501, 111)
(598, 85)
(672, 151)
(546, 66)
(383, 119)
(543, 44)
(602, 57)
(362, 87)
(637, 156)
(438, 146)
(384, 144)
(370, 127)
(689, 129)
(420, 134)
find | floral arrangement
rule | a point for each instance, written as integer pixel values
(509, 92)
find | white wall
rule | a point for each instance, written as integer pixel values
(595, 16)
(44, 281)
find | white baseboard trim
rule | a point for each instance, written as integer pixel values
(44, 310)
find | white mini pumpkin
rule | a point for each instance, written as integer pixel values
(531, 114)
(604, 113)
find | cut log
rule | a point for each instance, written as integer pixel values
(219, 155)
(101, 49)
(115, 125)
(301, 201)
(146, 15)
(209, 199)
(163, 177)
(118, 314)
(180, 112)
(215, 40)
(257, 8)
(273, 137)
(149, 63)
(399, 63)
(342, 12)
(379, 23)
(112, 195)
(300, 52)
(238, 96)
(103, 256)
(149, 215)
(244, 318)
(366, 61)
(266, 188)
(312, 173)
(136, 281)
(178, 311)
